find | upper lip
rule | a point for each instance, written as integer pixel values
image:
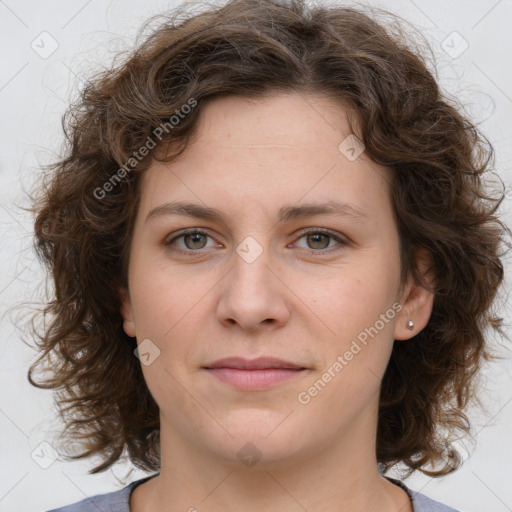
(253, 364)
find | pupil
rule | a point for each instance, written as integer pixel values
(316, 237)
(195, 237)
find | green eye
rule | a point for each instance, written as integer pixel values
(318, 241)
(195, 240)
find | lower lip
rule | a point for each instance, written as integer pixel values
(254, 380)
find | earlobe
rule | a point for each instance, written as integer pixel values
(127, 313)
(417, 299)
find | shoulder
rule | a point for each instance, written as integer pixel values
(116, 501)
(422, 503)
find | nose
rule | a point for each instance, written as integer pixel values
(252, 295)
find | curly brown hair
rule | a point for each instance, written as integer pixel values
(87, 205)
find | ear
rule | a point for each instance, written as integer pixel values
(127, 313)
(417, 301)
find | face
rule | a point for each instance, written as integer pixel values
(266, 276)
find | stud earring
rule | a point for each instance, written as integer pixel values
(410, 325)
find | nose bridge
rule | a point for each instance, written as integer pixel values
(251, 293)
(250, 272)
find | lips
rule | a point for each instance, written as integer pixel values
(254, 374)
(261, 363)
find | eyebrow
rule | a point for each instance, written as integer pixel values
(286, 213)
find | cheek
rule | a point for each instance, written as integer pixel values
(165, 297)
(355, 357)
(357, 307)
(165, 304)
(166, 317)
(349, 299)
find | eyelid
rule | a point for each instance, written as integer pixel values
(341, 239)
(189, 231)
(326, 231)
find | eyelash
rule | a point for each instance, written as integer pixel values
(199, 231)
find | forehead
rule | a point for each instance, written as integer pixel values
(267, 152)
(274, 120)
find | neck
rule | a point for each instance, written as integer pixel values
(341, 477)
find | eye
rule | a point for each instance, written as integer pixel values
(193, 240)
(319, 241)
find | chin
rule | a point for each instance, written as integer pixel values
(258, 443)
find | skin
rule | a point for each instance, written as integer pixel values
(250, 158)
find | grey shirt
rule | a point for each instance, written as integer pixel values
(119, 501)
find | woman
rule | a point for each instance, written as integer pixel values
(274, 262)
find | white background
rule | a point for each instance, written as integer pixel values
(35, 91)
